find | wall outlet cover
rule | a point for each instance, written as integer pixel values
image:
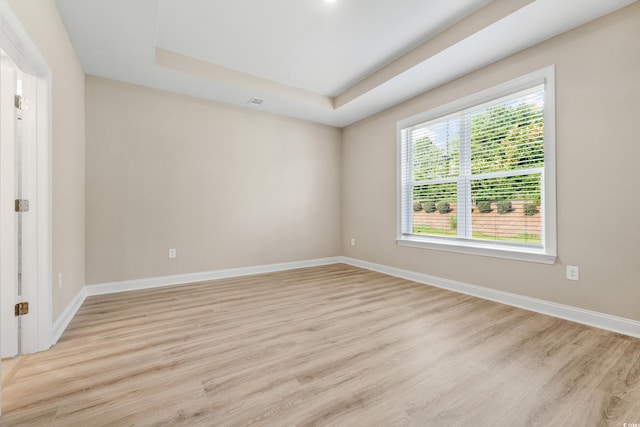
(573, 272)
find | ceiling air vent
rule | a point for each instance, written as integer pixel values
(255, 101)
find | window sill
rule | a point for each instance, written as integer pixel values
(480, 248)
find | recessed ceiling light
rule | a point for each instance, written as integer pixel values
(330, 1)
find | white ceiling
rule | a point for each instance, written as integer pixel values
(332, 63)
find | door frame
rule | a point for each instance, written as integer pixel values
(17, 43)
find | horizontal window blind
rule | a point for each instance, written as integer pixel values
(477, 174)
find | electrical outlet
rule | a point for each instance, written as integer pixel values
(573, 272)
(60, 280)
(353, 241)
(173, 253)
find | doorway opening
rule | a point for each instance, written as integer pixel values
(25, 193)
(16, 152)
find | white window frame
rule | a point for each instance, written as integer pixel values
(548, 252)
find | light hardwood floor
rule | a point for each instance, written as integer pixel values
(333, 345)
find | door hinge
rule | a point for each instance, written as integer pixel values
(22, 205)
(21, 102)
(22, 308)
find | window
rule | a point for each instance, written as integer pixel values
(478, 175)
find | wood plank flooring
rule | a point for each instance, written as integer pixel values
(9, 368)
(333, 345)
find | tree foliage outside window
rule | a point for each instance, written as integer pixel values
(507, 138)
(503, 138)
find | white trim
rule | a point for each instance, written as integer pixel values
(18, 44)
(478, 248)
(547, 253)
(586, 317)
(549, 226)
(574, 314)
(66, 316)
(44, 215)
(525, 82)
(180, 279)
(63, 320)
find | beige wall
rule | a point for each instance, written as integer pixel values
(233, 187)
(41, 20)
(227, 187)
(597, 93)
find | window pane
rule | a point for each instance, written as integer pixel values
(434, 210)
(436, 150)
(509, 135)
(507, 209)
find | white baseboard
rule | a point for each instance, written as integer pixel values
(179, 279)
(574, 314)
(586, 317)
(63, 320)
(65, 317)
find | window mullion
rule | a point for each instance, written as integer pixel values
(408, 182)
(464, 181)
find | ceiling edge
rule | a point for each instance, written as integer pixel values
(263, 87)
(485, 16)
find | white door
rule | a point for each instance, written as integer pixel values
(16, 149)
(25, 249)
